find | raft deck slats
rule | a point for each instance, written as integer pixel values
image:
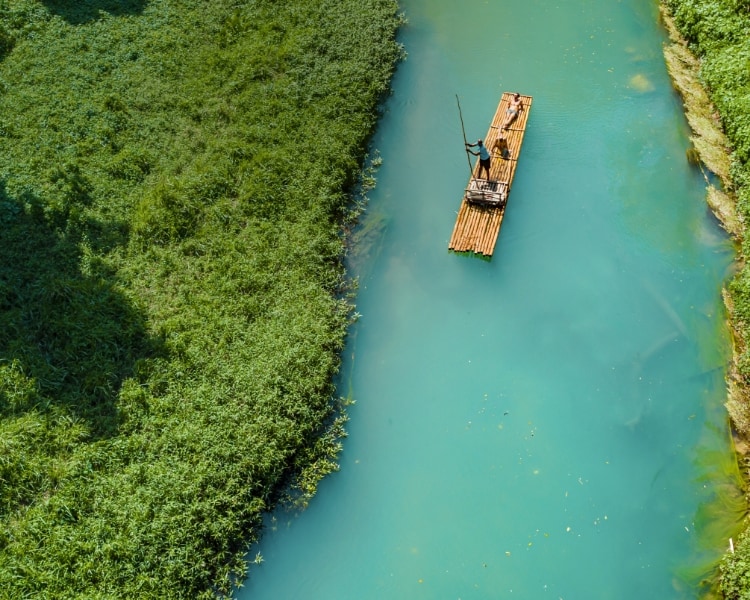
(477, 226)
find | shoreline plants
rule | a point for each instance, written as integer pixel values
(718, 34)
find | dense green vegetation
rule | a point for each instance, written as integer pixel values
(718, 32)
(174, 175)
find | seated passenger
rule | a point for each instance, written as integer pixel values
(501, 145)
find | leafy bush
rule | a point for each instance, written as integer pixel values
(735, 570)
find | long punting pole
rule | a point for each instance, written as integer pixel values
(460, 116)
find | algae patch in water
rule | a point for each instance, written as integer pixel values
(717, 521)
(641, 83)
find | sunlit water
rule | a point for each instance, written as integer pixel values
(547, 424)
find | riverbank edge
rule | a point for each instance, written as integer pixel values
(711, 151)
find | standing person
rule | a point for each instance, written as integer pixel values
(484, 157)
(516, 106)
(501, 145)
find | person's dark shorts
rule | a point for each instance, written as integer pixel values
(485, 163)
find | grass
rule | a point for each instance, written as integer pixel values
(174, 176)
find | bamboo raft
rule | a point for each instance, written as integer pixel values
(483, 204)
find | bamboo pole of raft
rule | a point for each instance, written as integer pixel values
(463, 130)
(477, 227)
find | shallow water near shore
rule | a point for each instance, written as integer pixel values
(548, 423)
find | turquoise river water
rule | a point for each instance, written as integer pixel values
(549, 423)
